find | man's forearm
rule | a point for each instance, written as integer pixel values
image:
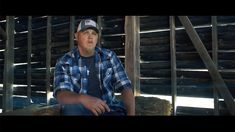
(129, 101)
(67, 97)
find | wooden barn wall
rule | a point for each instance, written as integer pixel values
(2, 47)
(193, 79)
(59, 46)
(155, 76)
(155, 57)
(226, 53)
(113, 35)
(195, 74)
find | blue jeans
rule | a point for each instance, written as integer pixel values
(80, 110)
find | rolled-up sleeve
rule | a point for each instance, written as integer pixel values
(121, 79)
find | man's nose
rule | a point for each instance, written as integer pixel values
(89, 35)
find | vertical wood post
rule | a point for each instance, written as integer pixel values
(8, 76)
(48, 59)
(132, 51)
(215, 59)
(29, 59)
(173, 63)
(71, 32)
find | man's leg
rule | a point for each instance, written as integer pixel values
(116, 111)
(75, 109)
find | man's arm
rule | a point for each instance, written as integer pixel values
(68, 97)
(95, 105)
(129, 101)
(123, 84)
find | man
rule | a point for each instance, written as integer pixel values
(87, 77)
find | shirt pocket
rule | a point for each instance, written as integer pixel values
(75, 72)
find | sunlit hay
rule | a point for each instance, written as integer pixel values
(152, 106)
(48, 110)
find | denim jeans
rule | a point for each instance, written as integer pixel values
(80, 110)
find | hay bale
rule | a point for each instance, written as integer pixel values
(52, 110)
(152, 106)
(34, 109)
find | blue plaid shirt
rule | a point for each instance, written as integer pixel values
(71, 75)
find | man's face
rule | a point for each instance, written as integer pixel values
(87, 39)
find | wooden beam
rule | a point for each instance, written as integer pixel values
(29, 59)
(215, 59)
(99, 22)
(216, 77)
(132, 53)
(8, 65)
(48, 58)
(71, 32)
(173, 63)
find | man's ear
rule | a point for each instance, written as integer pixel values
(76, 35)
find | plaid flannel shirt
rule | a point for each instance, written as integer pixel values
(71, 75)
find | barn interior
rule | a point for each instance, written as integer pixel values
(178, 65)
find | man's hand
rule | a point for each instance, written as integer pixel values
(95, 105)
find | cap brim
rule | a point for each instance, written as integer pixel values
(89, 27)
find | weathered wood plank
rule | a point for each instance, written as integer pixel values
(225, 19)
(23, 92)
(188, 47)
(226, 45)
(156, 48)
(113, 26)
(112, 44)
(8, 75)
(196, 20)
(193, 111)
(198, 90)
(193, 74)
(154, 22)
(155, 56)
(188, 56)
(35, 81)
(155, 65)
(156, 81)
(132, 51)
(226, 64)
(185, 81)
(156, 73)
(226, 55)
(154, 39)
(192, 64)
